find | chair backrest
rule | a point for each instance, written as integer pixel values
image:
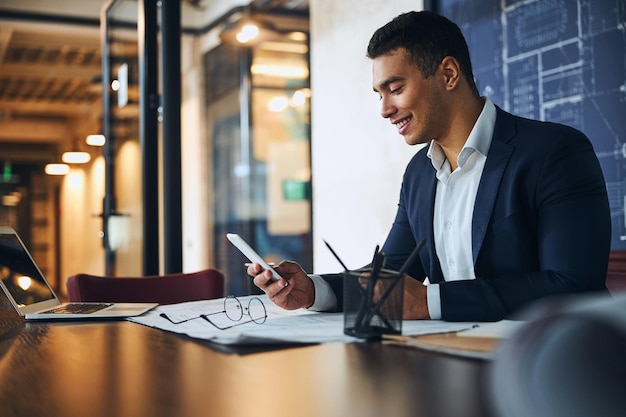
(616, 282)
(162, 289)
(616, 274)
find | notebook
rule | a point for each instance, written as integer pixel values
(33, 297)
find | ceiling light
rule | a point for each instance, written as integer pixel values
(298, 36)
(288, 47)
(57, 169)
(249, 32)
(283, 71)
(76, 157)
(11, 200)
(278, 104)
(298, 98)
(95, 140)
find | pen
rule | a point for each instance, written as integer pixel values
(412, 257)
(377, 264)
(367, 299)
(336, 256)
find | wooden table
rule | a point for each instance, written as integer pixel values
(122, 369)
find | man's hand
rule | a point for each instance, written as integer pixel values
(294, 290)
(414, 303)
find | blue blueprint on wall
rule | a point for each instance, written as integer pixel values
(557, 60)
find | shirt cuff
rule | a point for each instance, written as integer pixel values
(325, 298)
(434, 301)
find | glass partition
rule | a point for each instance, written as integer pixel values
(261, 160)
(245, 155)
(122, 211)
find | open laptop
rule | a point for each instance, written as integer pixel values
(33, 298)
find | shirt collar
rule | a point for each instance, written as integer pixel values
(478, 140)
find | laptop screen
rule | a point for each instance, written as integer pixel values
(19, 274)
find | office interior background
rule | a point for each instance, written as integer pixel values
(280, 140)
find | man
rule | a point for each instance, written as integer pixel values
(512, 210)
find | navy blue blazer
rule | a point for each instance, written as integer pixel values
(541, 223)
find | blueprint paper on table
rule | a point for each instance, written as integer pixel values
(281, 327)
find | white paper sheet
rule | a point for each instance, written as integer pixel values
(497, 330)
(281, 326)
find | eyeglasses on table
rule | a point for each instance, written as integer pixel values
(234, 311)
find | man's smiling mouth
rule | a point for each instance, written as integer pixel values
(400, 124)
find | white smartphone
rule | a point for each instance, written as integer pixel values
(250, 253)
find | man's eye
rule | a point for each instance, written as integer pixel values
(396, 90)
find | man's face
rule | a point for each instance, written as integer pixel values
(412, 103)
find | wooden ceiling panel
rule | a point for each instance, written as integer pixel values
(49, 86)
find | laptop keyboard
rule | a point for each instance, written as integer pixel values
(78, 308)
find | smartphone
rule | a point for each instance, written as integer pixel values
(250, 253)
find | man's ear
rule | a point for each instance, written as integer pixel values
(451, 71)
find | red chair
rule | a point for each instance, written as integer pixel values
(162, 289)
(616, 275)
(616, 282)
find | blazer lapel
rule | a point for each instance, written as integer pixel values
(427, 205)
(497, 159)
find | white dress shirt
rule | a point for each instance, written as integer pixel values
(453, 212)
(454, 204)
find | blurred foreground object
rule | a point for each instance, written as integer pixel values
(567, 360)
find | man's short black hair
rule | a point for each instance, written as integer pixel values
(428, 37)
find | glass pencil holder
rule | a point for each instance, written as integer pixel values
(372, 303)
